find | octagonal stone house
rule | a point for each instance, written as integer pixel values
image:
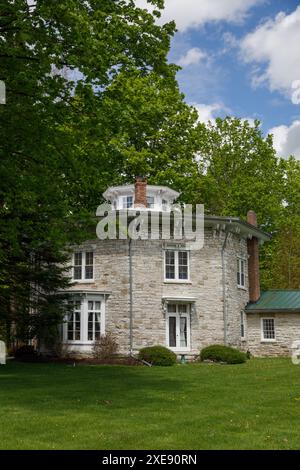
(163, 291)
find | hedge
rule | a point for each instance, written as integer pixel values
(220, 353)
(158, 356)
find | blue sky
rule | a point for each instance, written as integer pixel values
(240, 57)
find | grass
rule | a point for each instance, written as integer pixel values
(201, 406)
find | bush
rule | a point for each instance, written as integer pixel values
(158, 356)
(25, 352)
(219, 353)
(106, 347)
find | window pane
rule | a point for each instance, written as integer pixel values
(97, 325)
(90, 305)
(77, 272)
(171, 308)
(97, 305)
(183, 332)
(268, 328)
(89, 258)
(127, 202)
(90, 326)
(150, 202)
(172, 332)
(78, 259)
(182, 308)
(183, 258)
(238, 272)
(183, 272)
(170, 265)
(242, 272)
(183, 264)
(242, 325)
(89, 262)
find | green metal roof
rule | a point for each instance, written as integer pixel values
(276, 301)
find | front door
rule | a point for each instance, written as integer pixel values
(178, 327)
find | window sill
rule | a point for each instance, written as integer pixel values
(78, 343)
(177, 281)
(268, 341)
(242, 288)
(83, 281)
(180, 351)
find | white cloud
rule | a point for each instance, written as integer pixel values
(209, 112)
(192, 57)
(287, 139)
(194, 13)
(274, 49)
(250, 120)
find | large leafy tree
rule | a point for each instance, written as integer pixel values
(282, 260)
(241, 171)
(57, 61)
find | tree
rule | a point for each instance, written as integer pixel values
(282, 260)
(55, 55)
(241, 170)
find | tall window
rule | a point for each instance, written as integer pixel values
(77, 265)
(83, 265)
(176, 265)
(241, 264)
(74, 323)
(170, 264)
(127, 202)
(178, 326)
(86, 321)
(242, 325)
(94, 320)
(89, 265)
(268, 329)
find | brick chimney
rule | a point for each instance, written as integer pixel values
(140, 199)
(253, 261)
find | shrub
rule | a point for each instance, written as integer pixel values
(158, 356)
(219, 353)
(25, 352)
(105, 347)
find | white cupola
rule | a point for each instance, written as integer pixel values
(141, 196)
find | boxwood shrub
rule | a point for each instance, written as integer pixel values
(220, 353)
(158, 356)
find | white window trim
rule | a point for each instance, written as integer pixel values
(84, 321)
(178, 315)
(124, 201)
(83, 280)
(239, 260)
(177, 280)
(262, 338)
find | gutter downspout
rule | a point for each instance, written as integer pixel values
(130, 298)
(224, 288)
(131, 308)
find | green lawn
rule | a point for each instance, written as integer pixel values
(200, 406)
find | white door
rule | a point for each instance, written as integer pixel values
(178, 327)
